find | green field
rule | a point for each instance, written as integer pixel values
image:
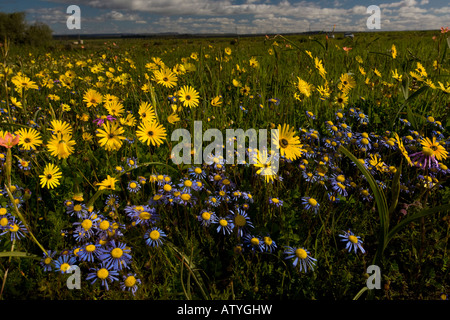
(362, 178)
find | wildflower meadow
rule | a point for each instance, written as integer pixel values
(350, 168)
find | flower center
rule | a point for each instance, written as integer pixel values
(102, 273)
(301, 253)
(64, 267)
(353, 239)
(154, 235)
(284, 143)
(90, 248)
(206, 216)
(116, 253)
(312, 202)
(130, 281)
(240, 220)
(86, 224)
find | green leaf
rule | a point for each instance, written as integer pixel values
(411, 218)
(395, 189)
(18, 254)
(380, 200)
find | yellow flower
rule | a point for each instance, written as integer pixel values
(92, 98)
(107, 184)
(284, 139)
(188, 96)
(23, 82)
(29, 138)
(146, 112)
(304, 87)
(51, 176)
(215, 102)
(110, 136)
(433, 148)
(253, 62)
(173, 118)
(394, 51)
(61, 145)
(151, 132)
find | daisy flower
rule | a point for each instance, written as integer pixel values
(310, 204)
(188, 96)
(104, 274)
(154, 237)
(133, 186)
(352, 242)
(151, 132)
(130, 283)
(51, 176)
(225, 225)
(115, 256)
(302, 258)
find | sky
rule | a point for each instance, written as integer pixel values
(232, 16)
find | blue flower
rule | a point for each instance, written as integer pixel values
(226, 225)
(241, 221)
(268, 244)
(17, 229)
(352, 242)
(310, 204)
(133, 186)
(302, 258)
(253, 242)
(207, 217)
(115, 256)
(64, 262)
(89, 252)
(154, 237)
(197, 173)
(47, 261)
(130, 283)
(104, 274)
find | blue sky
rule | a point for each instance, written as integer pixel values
(231, 16)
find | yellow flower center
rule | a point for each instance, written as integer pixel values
(116, 253)
(144, 215)
(301, 253)
(167, 187)
(154, 235)
(223, 222)
(90, 248)
(312, 202)
(186, 197)
(198, 170)
(104, 225)
(240, 220)
(130, 281)
(206, 215)
(64, 267)
(86, 224)
(254, 241)
(353, 239)
(268, 241)
(102, 273)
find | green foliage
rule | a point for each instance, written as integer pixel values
(14, 28)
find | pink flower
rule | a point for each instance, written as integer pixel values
(444, 30)
(9, 140)
(103, 119)
(346, 49)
